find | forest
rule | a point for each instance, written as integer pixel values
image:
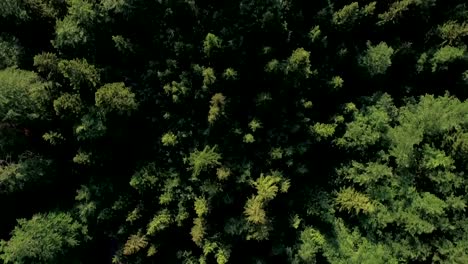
(240, 131)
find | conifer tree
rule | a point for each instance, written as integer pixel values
(243, 131)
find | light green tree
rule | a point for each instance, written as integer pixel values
(45, 238)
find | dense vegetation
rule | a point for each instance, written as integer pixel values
(251, 131)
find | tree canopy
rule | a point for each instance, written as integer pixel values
(273, 131)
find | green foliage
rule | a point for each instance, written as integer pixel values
(276, 153)
(452, 31)
(299, 62)
(81, 10)
(169, 139)
(369, 173)
(267, 189)
(435, 158)
(254, 210)
(369, 9)
(29, 170)
(377, 59)
(68, 104)
(91, 126)
(349, 199)
(21, 95)
(79, 73)
(176, 90)
(323, 131)
(145, 178)
(208, 77)
(332, 140)
(347, 15)
(159, 222)
(152, 250)
(351, 247)
(53, 138)
(217, 104)
(211, 44)
(13, 8)
(398, 8)
(46, 9)
(249, 138)
(201, 206)
(134, 244)
(465, 76)
(202, 160)
(285, 185)
(198, 230)
(115, 97)
(295, 221)
(393, 194)
(350, 14)
(311, 243)
(421, 62)
(337, 82)
(255, 124)
(307, 104)
(230, 74)
(445, 55)
(272, 66)
(122, 44)
(350, 107)
(368, 124)
(315, 33)
(86, 206)
(222, 255)
(42, 239)
(10, 52)
(69, 33)
(117, 6)
(429, 117)
(223, 173)
(46, 62)
(82, 158)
